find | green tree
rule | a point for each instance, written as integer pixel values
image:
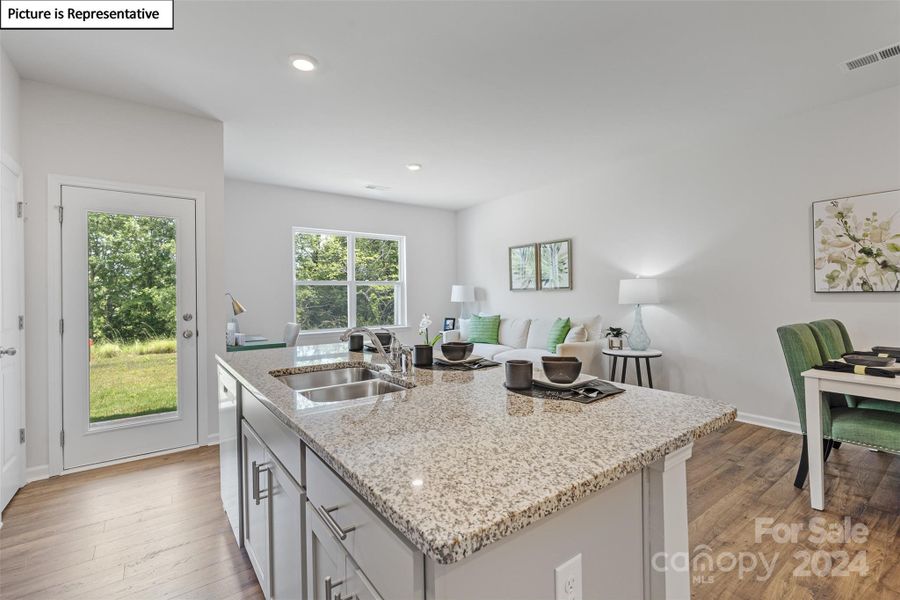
(131, 277)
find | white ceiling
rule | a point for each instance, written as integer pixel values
(492, 98)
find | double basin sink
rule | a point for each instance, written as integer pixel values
(337, 385)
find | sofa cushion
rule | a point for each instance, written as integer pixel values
(514, 332)
(577, 334)
(558, 333)
(532, 354)
(484, 330)
(593, 325)
(464, 329)
(539, 333)
(489, 351)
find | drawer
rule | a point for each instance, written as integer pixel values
(394, 567)
(281, 441)
(227, 381)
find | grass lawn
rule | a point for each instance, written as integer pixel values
(130, 385)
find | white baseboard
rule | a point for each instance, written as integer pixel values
(212, 439)
(37, 473)
(789, 426)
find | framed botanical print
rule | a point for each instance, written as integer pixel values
(856, 243)
(555, 265)
(523, 268)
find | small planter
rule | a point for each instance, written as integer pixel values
(616, 343)
(423, 355)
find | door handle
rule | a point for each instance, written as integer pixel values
(7, 351)
(329, 590)
(187, 316)
(187, 334)
(256, 493)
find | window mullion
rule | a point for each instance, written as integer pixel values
(351, 280)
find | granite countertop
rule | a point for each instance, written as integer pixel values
(458, 462)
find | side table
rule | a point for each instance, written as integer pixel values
(637, 355)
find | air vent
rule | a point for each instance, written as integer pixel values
(871, 58)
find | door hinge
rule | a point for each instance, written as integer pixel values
(61, 327)
(22, 436)
(21, 322)
(62, 438)
(60, 213)
(20, 209)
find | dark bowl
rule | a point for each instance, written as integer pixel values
(561, 369)
(457, 350)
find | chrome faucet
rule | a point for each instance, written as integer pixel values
(399, 359)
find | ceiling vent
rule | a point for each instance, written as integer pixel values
(871, 58)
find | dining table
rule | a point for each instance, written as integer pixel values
(817, 383)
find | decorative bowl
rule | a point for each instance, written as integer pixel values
(457, 350)
(561, 369)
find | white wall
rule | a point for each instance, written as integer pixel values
(258, 250)
(9, 108)
(727, 229)
(66, 132)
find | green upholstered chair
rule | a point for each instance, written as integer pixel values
(834, 341)
(840, 423)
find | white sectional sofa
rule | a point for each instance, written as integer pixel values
(526, 339)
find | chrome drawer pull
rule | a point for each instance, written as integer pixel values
(336, 529)
(257, 495)
(329, 589)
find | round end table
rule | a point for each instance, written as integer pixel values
(637, 355)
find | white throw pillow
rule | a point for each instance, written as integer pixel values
(539, 332)
(514, 332)
(576, 334)
(463, 326)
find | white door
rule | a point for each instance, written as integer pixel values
(12, 270)
(129, 344)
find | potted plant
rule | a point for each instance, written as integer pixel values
(423, 354)
(616, 335)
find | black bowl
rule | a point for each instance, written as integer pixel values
(561, 369)
(384, 338)
(457, 350)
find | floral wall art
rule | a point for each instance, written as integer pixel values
(856, 243)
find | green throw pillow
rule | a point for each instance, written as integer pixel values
(485, 330)
(558, 333)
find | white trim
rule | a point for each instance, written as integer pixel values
(212, 439)
(54, 306)
(10, 162)
(37, 473)
(770, 422)
(129, 459)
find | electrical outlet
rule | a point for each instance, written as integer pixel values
(567, 578)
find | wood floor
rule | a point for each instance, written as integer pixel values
(155, 528)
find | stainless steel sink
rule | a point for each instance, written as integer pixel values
(337, 385)
(318, 379)
(350, 391)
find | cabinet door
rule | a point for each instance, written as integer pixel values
(358, 585)
(325, 560)
(257, 482)
(229, 459)
(286, 500)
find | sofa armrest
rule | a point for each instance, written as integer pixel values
(588, 352)
(451, 335)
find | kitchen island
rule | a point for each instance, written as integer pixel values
(452, 486)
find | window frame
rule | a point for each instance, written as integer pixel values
(351, 283)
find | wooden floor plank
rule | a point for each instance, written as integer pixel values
(155, 528)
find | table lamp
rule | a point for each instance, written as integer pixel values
(638, 291)
(462, 294)
(236, 308)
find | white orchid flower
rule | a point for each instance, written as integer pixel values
(424, 324)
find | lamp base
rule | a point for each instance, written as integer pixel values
(638, 338)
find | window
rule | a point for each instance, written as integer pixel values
(344, 279)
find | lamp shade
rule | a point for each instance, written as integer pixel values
(638, 291)
(236, 306)
(462, 293)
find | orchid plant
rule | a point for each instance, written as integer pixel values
(424, 324)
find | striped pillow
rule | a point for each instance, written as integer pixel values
(484, 330)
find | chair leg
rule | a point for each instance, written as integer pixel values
(802, 468)
(836, 445)
(828, 445)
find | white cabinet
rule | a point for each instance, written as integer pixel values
(256, 508)
(325, 562)
(229, 450)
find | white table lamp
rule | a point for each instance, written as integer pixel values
(462, 294)
(638, 291)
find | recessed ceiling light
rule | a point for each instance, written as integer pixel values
(304, 63)
(414, 167)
